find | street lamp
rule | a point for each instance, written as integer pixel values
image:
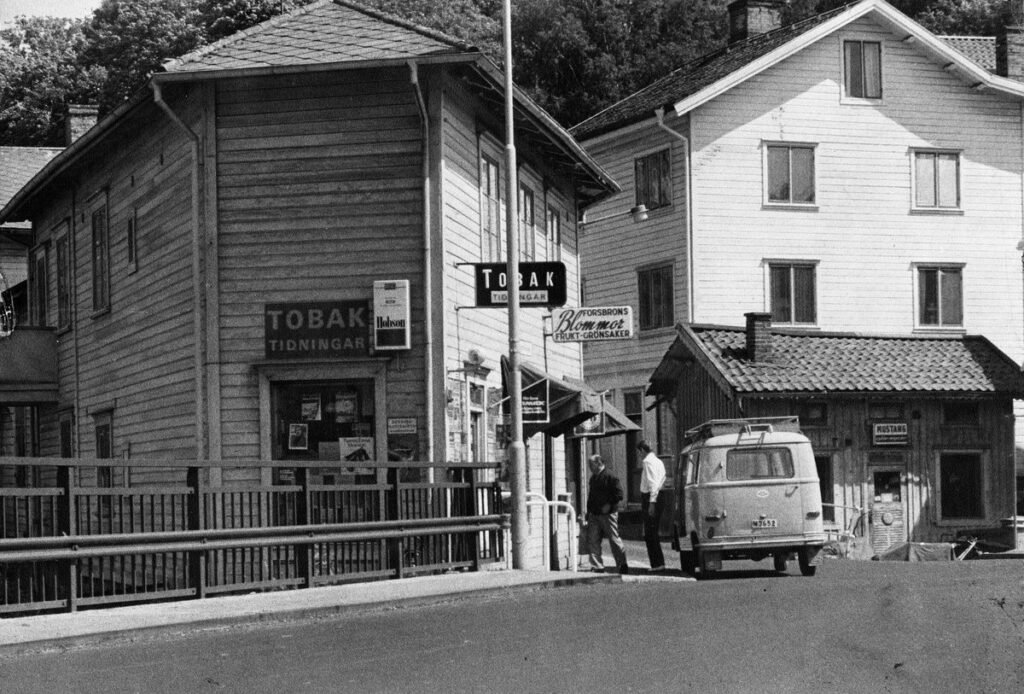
(638, 213)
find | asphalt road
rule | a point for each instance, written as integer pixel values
(855, 627)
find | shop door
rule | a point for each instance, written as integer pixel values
(888, 517)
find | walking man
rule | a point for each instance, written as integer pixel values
(651, 482)
(603, 497)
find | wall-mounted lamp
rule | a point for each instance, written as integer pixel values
(638, 213)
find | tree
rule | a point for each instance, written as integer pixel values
(221, 18)
(40, 74)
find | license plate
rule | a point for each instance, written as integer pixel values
(764, 523)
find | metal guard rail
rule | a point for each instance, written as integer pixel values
(84, 546)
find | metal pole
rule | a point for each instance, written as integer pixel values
(516, 449)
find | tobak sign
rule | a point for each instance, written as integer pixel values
(316, 329)
(540, 284)
(597, 323)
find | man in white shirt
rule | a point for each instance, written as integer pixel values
(651, 482)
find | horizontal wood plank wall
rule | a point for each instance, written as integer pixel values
(135, 360)
(320, 194)
(863, 234)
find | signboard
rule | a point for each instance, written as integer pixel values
(540, 284)
(589, 427)
(890, 434)
(536, 400)
(587, 324)
(356, 449)
(316, 329)
(401, 425)
(391, 315)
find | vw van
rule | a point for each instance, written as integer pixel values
(747, 489)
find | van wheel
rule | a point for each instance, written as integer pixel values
(686, 562)
(780, 562)
(806, 569)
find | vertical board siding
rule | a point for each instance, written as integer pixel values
(862, 234)
(315, 175)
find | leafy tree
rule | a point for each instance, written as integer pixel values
(40, 74)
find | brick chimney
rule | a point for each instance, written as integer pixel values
(759, 336)
(752, 17)
(79, 119)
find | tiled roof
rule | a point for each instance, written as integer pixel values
(18, 165)
(694, 76)
(845, 362)
(325, 32)
(980, 49)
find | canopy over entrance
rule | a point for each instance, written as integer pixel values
(570, 403)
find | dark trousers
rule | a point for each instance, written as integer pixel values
(652, 521)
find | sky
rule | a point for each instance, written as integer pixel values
(9, 9)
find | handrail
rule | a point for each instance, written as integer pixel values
(541, 500)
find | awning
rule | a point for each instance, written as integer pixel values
(570, 403)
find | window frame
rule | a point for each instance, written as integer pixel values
(132, 241)
(792, 264)
(39, 285)
(847, 97)
(942, 268)
(767, 200)
(941, 518)
(658, 324)
(62, 261)
(553, 231)
(664, 187)
(99, 253)
(527, 224)
(936, 208)
(492, 246)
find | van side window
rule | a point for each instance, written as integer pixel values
(692, 461)
(760, 463)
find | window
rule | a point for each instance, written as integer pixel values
(37, 287)
(63, 282)
(100, 260)
(862, 62)
(960, 486)
(554, 233)
(103, 428)
(490, 210)
(823, 463)
(937, 180)
(960, 414)
(761, 463)
(654, 180)
(790, 174)
(527, 235)
(132, 243)
(792, 293)
(940, 297)
(65, 433)
(655, 305)
(813, 414)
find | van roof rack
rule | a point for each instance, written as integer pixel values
(742, 427)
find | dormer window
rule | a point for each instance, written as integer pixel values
(862, 61)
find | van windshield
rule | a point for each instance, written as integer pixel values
(758, 464)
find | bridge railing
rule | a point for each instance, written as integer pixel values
(65, 545)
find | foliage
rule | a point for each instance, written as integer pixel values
(221, 18)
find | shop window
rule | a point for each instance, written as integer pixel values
(960, 414)
(656, 298)
(960, 486)
(653, 174)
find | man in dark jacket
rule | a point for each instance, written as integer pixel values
(603, 497)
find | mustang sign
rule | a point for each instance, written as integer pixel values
(597, 323)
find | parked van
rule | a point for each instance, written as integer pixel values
(747, 489)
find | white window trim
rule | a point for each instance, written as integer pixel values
(984, 457)
(922, 327)
(767, 289)
(775, 205)
(918, 209)
(488, 146)
(860, 100)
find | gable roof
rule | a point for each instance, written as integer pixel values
(17, 166)
(327, 31)
(702, 80)
(832, 363)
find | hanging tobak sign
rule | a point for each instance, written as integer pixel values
(540, 284)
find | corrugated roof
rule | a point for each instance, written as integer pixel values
(846, 362)
(325, 32)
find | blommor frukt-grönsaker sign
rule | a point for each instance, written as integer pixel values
(592, 323)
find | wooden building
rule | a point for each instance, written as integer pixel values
(849, 172)
(913, 434)
(269, 254)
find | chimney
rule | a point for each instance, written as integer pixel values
(752, 17)
(79, 119)
(759, 336)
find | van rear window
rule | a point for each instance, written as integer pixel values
(758, 464)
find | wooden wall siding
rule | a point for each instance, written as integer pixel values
(862, 234)
(100, 360)
(320, 194)
(613, 251)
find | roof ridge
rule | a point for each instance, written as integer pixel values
(406, 24)
(799, 332)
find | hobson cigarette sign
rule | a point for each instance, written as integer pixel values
(596, 323)
(317, 329)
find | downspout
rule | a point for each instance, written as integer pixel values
(428, 283)
(197, 285)
(659, 114)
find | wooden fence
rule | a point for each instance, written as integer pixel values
(64, 546)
